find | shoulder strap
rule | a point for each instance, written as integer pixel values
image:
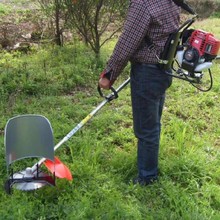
(184, 6)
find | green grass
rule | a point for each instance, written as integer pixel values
(61, 85)
(4, 9)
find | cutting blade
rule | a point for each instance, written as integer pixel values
(22, 183)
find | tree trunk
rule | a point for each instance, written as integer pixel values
(58, 34)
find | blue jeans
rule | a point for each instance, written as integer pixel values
(148, 86)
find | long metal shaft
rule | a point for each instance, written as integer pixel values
(83, 122)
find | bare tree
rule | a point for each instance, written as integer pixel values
(57, 16)
(96, 20)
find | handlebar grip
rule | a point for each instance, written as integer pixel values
(109, 97)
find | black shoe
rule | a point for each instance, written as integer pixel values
(143, 182)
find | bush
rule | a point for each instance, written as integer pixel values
(205, 8)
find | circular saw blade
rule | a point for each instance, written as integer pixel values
(29, 185)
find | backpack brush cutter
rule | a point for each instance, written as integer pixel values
(31, 136)
(193, 55)
(189, 53)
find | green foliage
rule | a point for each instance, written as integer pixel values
(216, 15)
(3, 9)
(50, 71)
(60, 83)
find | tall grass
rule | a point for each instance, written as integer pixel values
(61, 85)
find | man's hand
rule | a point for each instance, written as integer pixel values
(104, 83)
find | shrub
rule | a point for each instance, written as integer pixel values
(205, 8)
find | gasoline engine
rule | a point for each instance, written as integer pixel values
(197, 53)
(190, 54)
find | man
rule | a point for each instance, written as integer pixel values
(146, 29)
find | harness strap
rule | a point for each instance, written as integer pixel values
(184, 6)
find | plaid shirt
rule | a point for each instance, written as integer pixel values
(153, 18)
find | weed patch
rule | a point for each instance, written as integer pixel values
(60, 83)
